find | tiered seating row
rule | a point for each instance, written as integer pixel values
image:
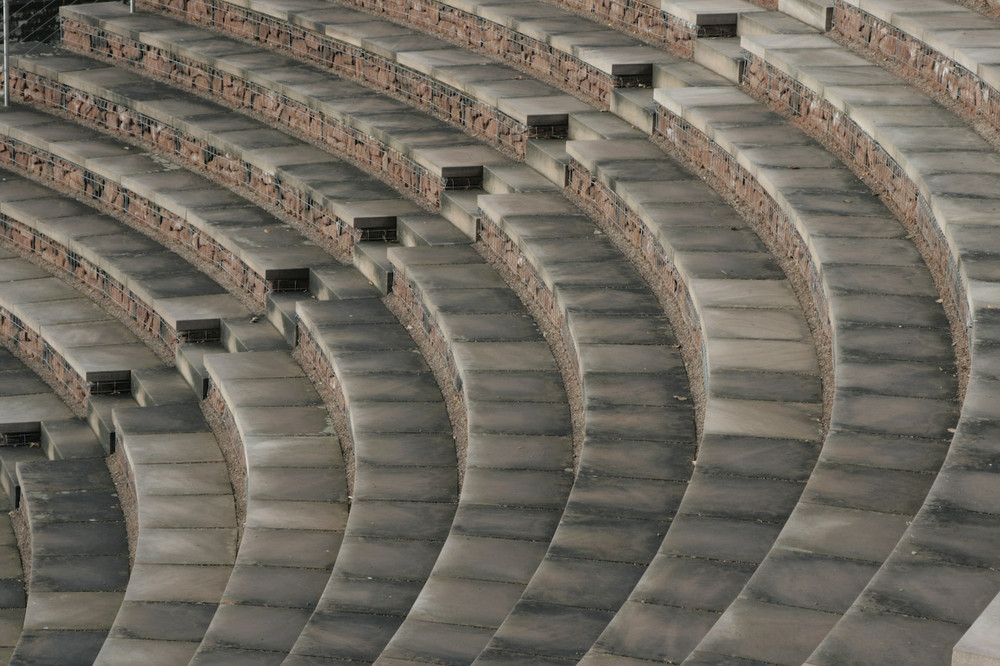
(296, 501)
(487, 99)
(185, 539)
(406, 478)
(588, 60)
(873, 292)
(77, 582)
(330, 198)
(938, 42)
(518, 467)
(86, 350)
(254, 251)
(757, 357)
(343, 116)
(943, 176)
(139, 276)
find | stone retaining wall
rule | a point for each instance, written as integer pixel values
(349, 61)
(472, 31)
(820, 116)
(26, 240)
(140, 210)
(433, 332)
(919, 60)
(647, 22)
(313, 125)
(159, 136)
(31, 343)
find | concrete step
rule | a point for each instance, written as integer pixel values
(417, 230)
(296, 490)
(190, 362)
(460, 208)
(514, 178)
(10, 456)
(334, 283)
(720, 17)
(370, 259)
(635, 106)
(100, 417)
(281, 314)
(12, 581)
(159, 386)
(70, 439)
(512, 392)
(77, 581)
(772, 23)
(251, 334)
(406, 481)
(722, 55)
(815, 13)
(598, 125)
(549, 159)
(686, 74)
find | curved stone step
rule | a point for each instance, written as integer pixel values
(296, 504)
(578, 55)
(486, 98)
(518, 464)
(419, 154)
(636, 452)
(941, 175)
(334, 200)
(944, 44)
(531, 241)
(757, 356)
(405, 484)
(185, 540)
(895, 389)
(86, 350)
(79, 560)
(251, 250)
(26, 402)
(153, 287)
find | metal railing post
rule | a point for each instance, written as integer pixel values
(6, 69)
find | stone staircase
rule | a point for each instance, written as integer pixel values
(460, 332)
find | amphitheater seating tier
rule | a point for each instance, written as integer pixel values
(77, 584)
(251, 250)
(698, 122)
(185, 535)
(405, 483)
(759, 536)
(296, 504)
(937, 171)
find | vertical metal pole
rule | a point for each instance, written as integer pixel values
(6, 70)
(131, 6)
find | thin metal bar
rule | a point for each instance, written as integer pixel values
(6, 68)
